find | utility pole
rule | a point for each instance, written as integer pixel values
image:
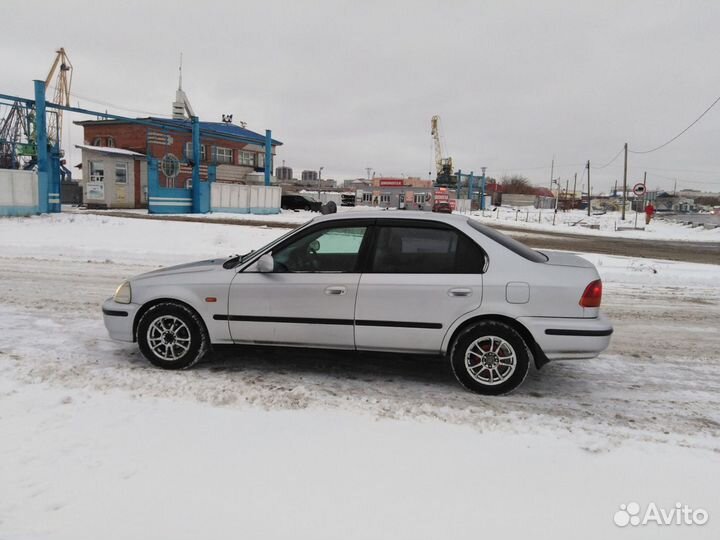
(624, 185)
(482, 201)
(552, 171)
(574, 187)
(588, 168)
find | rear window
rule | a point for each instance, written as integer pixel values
(511, 244)
(420, 250)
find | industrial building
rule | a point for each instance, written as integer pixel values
(283, 173)
(114, 155)
(387, 192)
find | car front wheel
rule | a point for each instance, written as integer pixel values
(490, 358)
(172, 336)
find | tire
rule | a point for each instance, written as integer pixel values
(183, 328)
(307, 208)
(501, 358)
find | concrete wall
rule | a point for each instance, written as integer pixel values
(514, 199)
(18, 193)
(242, 199)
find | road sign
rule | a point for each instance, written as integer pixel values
(639, 189)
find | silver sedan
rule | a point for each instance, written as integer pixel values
(397, 282)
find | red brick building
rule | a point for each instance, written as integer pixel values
(115, 156)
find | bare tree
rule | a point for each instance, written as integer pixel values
(517, 184)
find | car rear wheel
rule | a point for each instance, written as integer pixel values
(490, 358)
(307, 207)
(172, 336)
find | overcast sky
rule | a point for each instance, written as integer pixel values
(350, 85)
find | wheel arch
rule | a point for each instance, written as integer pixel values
(538, 355)
(154, 302)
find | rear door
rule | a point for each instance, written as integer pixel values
(421, 276)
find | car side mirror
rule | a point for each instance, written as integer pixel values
(266, 263)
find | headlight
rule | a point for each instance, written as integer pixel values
(123, 294)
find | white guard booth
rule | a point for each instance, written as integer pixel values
(18, 193)
(243, 199)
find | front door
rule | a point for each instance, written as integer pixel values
(421, 277)
(309, 298)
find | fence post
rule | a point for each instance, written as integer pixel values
(41, 141)
(196, 191)
(268, 156)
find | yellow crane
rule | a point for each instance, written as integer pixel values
(61, 74)
(443, 165)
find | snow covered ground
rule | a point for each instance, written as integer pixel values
(94, 442)
(574, 221)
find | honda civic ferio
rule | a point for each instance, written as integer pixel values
(406, 282)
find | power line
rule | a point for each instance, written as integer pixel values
(613, 159)
(114, 105)
(679, 134)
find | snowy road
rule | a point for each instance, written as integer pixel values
(658, 381)
(353, 446)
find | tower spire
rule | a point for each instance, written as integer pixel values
(180, 81)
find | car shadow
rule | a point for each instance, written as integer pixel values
(351, 365)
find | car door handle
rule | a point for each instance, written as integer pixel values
(335, 290)
(459, 292)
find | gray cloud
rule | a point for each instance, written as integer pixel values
(347, 85)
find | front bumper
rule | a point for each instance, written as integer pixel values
(119, 319)
(569, 339)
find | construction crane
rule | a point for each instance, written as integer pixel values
(16, 136)
(443, 165)
(17, 128)
(61, 74)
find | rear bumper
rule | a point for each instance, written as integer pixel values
(119, 319)
(569, 339)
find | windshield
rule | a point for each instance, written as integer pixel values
(511, 244)
(239, 259)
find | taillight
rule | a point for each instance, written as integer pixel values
(592, 295)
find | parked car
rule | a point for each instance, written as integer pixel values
(347, 199)
(299, 202)
(442, 207)
(407, 282)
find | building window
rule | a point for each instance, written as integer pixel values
(121, 173)
(111, 142)
(223, 155)
(97, 141)
(189, 151)
(367, 197)
(97, 171)
(247, 159)
(420, 198)
(385, 198)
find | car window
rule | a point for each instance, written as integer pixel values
(425, 250)
(510, 243)
(327, 250)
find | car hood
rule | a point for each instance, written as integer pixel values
(193, 267)
(558, 258)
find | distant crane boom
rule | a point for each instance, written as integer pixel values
(443, 165)
(61, 74)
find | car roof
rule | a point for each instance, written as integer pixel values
(454, 219)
